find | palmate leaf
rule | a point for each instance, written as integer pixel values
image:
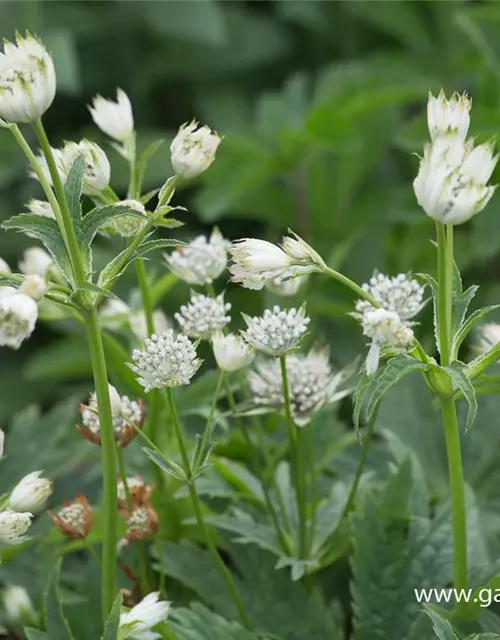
(47, 231)
(198, 623)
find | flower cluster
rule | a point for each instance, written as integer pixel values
(258, 262)
(75, 519)
(142, 523)
(19, 311)
(193, 149)
(452, 182)
(231, 352)
(139, 492)
(128, 415)
(384, 327)
(203, 315)
(402, 294)
(167, 360)
(141, 619)
(201, 261)
(278, 331)
(311, 381)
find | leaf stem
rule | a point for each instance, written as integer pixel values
(208, 428)
(295, 460)
(195, 500)
(123, 474)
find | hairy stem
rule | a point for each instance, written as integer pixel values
(295, 461)
(195, 500)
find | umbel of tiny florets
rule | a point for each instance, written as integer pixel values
(128, 416)
(138, 490)
(311, 381)
(203, 315)
(167, 360)
(13, 526)
(402, 294)
(75, 519)
(384, 327)
(278, 331)
(201, 261)
(27, 80)
(142, 523)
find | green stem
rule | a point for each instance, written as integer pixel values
(208, 428)
(161, 560)
(313, 499)
(455, 470)
(123, 474)
(295, 461)
(110, 501)
(195, 500)
(482, 364)
(93, 553)
(444, 296)
(255, 458)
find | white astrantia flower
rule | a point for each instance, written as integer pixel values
(193, 149)
(18, 316)
(30, 493)
(18, 605)
(124, 411)
(97, 168)
(257, 262)
(203, 315)
(278, 331)
(4, 267)
(13, 526)
(138, 623)
(129, 225)
(383, 327)
(167, 360)
(402, 294)
(35, 261)
(114, 118)
(489, 336)
(444, 116)
(40, 208)
(312, 384)
(33, 286)
(287, 288)
(231, 352)
(27, 80)
(201, 261)
(139, 326)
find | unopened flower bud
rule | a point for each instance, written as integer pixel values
(18, 315)
(114, 118)
(142, 523)
(201, 261)
(444, 116)
(27, 80)
(129, 225)
(138, 490)
(75, 519)
(231, 352)
(30, 493)
(193, 149)
(18, 605)
(36, 261)
(97, 167)
(138, 622)
(33, 286)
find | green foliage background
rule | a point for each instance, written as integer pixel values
(322, 108)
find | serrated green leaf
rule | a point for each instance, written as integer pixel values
(198, 623)
(155, 245)
(55, 622)
(442, 628)
(101, 216)
(73, 189)
(457, 372)
(148, 196)
(113, 621)
(47, 231)
(169, 223)
(168, 466)
(468, 325)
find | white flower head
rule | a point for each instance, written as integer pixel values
(129, 225)
(278, 331)
(167, 360)
(13, 526)
(36, 261)
(203, 315)
(141, 619)
(139, 325)
(33, 286)
(27, 80)
(114, 118)
(40, 208)
(231, 352)
(286, 288)
(402, 294)
(452, 182)
(312, 384)
(444, 116)
(193, 149)
(30, 493)
(97, 167)
(18, 316)
(201, 261)
(384, 327)
(18, 605)
(4, 267)
(490, 336)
